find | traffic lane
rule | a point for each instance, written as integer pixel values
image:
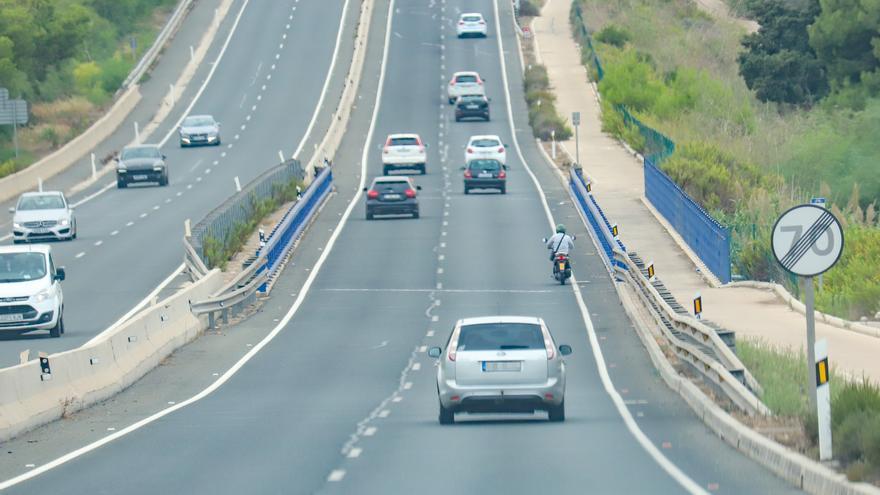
(132, 259)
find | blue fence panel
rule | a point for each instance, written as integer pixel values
(598, 224)
(709, 239)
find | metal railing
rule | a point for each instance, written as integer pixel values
(150, 56)
(256, 279)
(693, 341)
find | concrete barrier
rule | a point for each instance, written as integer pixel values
(96, 371)
(26, 180)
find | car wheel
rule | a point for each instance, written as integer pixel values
(487, 118)
(58, 329)
(121, 184)
(73, 236)
(466, 190)
(17, 241)
(451, 101)
(423, 169)
(385, 170)
(164, 181)
(447, 416)
(218, 142)
(457, 118)
(369, 215)
(557, 413)
(415, 214)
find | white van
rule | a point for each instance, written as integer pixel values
(30, 290)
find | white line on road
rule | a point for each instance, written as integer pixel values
(370, 431)
(94, 195)
(80, 254)
(129, 224)
(336, 475)
(98, 243)
(114, 233)
(355, 452)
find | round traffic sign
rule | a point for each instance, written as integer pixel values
(807, 240)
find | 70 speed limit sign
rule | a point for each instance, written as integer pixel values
(807, 240)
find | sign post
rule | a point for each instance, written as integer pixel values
(576, 122)
(807, 240)
(823, 400)
(14, 113)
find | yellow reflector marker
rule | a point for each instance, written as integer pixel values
(822, 372)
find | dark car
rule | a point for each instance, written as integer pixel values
(485, 174)
(143, 163)
(392, 196)
(471, 106)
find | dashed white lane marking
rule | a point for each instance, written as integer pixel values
(216, 162)
(439, 285)
(179, 194)
(30, 465)
(114, 233)
(259, 97)
(98, 243)
(248, 118)
(199, 179)
(370, 431)
(168, 200)
(441, 257)
(129, 224)
(189, 186)
(443, 233)
(237, 137)
(207, 171)
(429, 334)
(287, 26)
(336, 475)
(408, 385)
(264, 88)
(397, 399)
(223, 155)
(442, 244)
(291, 18)
(439, 271)
(243, 126)
(423, 348)
(253, 108)
(384, 413)
(355, 452)
(143, 215)
(435, 318)
(156, 207)
(277, 56)
(80, 254)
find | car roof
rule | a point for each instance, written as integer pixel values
(471, 13)
(137, 146)
(499, 319)
(485, 136)
(396, 178)
(466, 73)
(44, 193)
(403, 135)
(203, 116)
(28, 248)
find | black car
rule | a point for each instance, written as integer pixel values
(392, 196)
(471, 106)
(142, 163)
(485, 174)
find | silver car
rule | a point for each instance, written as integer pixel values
(142, 163)
(501, 364)
(199, 130)
(42, 215)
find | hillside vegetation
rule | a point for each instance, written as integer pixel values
(761, 122)
(67, 58)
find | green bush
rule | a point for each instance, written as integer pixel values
(543, 117)
(51, 136)
(613, 35)
(528, 9)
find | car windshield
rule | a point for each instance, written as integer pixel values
(22, 267)
(41, 202)
(471, 99)
(404, 141)
(396, 186)
(500, 336)
(198, 122)
(141, 152)
(484, 165)
(466, 79)
(471, 18)
(485, 143)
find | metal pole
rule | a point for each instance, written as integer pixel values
(577, 147)
(553, 148)
(94, 167)
(811, 338)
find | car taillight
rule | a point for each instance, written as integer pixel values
(480, 82)
(470, 150)
(373, 194)
(501, 149)
(421, 148)
(461, 23)
(385, 150)
(410, 193)
(467, 174)
(453, 346)
(502, 175)
(482, 22)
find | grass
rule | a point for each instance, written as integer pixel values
(781, 372)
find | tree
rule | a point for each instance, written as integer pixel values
(846, 38)
(779, 64)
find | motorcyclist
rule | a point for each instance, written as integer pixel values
(560, 243)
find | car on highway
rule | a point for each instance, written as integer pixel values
(39, 216)
(471, 24)
(485, 173)
(496, 364)
(486, 146)
(471, 106)
(465, 83)
(197, 130)
(141, 163)
(404, 152)
(392, 196)
(30, 290)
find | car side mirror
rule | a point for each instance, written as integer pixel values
(366, 189)
(435, 352)
(164, 157)
(418, 188)
(60, 274)
(11, 209)
(565, 349)
(504, 167)
(544, 239)
(573, 237)
(462, 168)
(425, 145)
(505, 146)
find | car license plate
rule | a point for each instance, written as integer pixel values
(198, 138)
(472, 107)
(489, 366)
(139, 177)
(485, 175)
(392, 196)
(40, 231)
(12, 317)
(561, 266)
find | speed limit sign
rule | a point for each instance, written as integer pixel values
(807, 240)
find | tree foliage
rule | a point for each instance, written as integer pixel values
(779, 64)
(846, 37)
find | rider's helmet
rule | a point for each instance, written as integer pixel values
(560, 229)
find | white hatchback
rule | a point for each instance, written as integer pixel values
(465, 83)
(404, 152)
(485, 147)
(471, 24)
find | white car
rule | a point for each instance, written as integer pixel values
(465, 83)
(501, 364)
(485, 147)
(30, 290)
(42, 215)
(404, 152)
(471, 24)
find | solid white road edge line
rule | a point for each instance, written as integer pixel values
(677, 474)
(326, 82)
(268, 338)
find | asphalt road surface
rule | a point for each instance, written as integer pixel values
(343, 399)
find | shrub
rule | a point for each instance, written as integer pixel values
(613, 35)
(113, 73)
(528, 9)
(51, 136)
(543, 117)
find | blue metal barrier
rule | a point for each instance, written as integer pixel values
(709, 239)
(598, 222)
(293, 223)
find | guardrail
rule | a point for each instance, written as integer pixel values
(693, 341)
(257, 278)
(150, 56)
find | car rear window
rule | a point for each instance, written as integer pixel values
(404, 141)
(471, 18)
(484, 165)
(397, 186)
(466, 79)
(485, 143)
(500, 336)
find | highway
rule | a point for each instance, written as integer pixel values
(264, 91)
(340, 397)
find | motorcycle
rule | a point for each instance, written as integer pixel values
(561, 265)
